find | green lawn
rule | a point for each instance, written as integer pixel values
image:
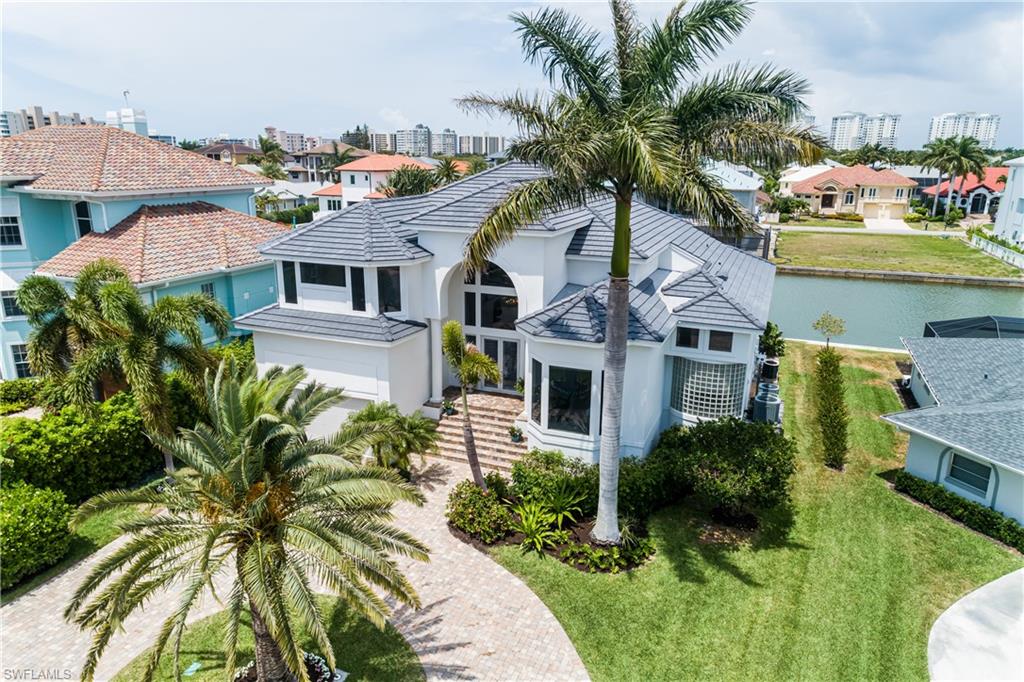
(909, 253)
(850, 594)
(360, 649)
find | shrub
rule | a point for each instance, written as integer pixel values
(539, 473)
(784, 217)
(832, 414)
(33, 530)
(302, 214)
(185, 406)
(477, 513)
(241, 351)
(564, 502)
(772, 343)
(611, 559)
(971, 514)
(78, 452)
(954, 216)
(19, 391)
(11, 408)
(644, 487)
(497, 484)
(912, 217)
(534, 521)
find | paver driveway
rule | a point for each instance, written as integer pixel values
(478, 621)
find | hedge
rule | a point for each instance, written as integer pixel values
(832, 414)
(79, 453)
(971, 514)
(34, 531)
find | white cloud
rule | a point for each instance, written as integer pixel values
(394, 118)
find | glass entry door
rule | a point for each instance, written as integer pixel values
(505, 352)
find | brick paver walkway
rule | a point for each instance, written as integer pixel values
(478, 621)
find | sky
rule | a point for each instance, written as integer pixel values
(201, 69)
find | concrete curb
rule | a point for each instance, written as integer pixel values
(899, 276)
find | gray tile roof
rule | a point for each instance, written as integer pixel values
(350, 327)
(979, 386)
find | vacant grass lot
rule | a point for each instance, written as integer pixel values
(360, 649)
(906, 253)
(850, 594)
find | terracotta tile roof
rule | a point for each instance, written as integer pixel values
(233, 147)
(328, 148)
(376, 195)
(156, 243)
(972, 183)
(381, 162)
(329, 191)
(107, 159)
(852, 176)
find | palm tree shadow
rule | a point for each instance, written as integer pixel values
(431, 476)
(421, 629)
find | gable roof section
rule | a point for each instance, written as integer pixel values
(379, 329)
(233, 147)
(852, 176)
(329, 191)
(100, 159)
(989, 181)
(157, 243)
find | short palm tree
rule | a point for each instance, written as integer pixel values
(272, 169)
(409, 434)
(406, 181)
(259, 499)
(271, 150)
(103, 335)
(447, 171)
(965, 156)
(477, 164)
(638, 117)
(470, 367)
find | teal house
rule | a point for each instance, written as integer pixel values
(176, 221)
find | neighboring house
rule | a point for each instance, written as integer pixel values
(362, 176)
(924, 177)
(289, 194)
(230, 152)
(741, 181)
(365, 291)
(63, 186)
(1010, 217)
(852, 189)
(312, 159)
(980, 195)
(968, 433)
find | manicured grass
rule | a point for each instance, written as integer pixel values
(849, 594)
(360, 649)
(908, 253)
(935, 226)
(91, 536)
(823, 222)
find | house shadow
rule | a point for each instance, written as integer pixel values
(889, 475)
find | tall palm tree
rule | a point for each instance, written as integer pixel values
(938, 156)
(103, 335)
(638, 117)
(271, 150)
(407, 181)
(470, 367)
(447, 171)
(259, 498)
(330, 162)
(409, 434)
(965, 156)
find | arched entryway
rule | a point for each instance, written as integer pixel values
(979, 203)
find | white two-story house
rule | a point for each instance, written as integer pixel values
(364, 293)
(361, 178)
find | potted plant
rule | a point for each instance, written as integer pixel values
(515, 433)
(447, 407)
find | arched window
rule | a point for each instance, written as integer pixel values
(490, 299)
(849, 197)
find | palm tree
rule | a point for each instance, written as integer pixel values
(937, 156)
(259, 498)
(447, 171)
(273, 170)
(407, 181)
(410, 434)
(330, 162)
(470, 367)
(638, 117)
(965, 156)
(189, 145)
(103, 335)
(271, 150)
(477, 164)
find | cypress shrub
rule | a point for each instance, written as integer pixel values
(832, 413)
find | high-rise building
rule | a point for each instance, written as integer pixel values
(983, 127)
(290, 142)
(14, 122)
(166, 139)
(854, 129)
(132, 120)
(413, 141)
(482, 145)
(445, 143)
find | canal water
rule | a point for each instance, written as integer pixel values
(878, 313)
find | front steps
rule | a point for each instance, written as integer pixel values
(491, 415)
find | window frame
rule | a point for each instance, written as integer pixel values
(720, 333)
(79, 219)
(16, 364)
(305, 265)
(849, 198)
(209, 289)
(380, 299)
(4, 298)
(590, 400)
(18, 227)
(967, 485)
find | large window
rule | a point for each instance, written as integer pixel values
(10, 303)
(706, 389)
(490, 299)
(389, 289)
(498, 311)
(720, 341)
(82, 218)
(971, 474)
(19, 353)
(469, 302)
(687, 337)
(569, 399)
(358, 289)
(536, 385)
(326, 275)
(848, 198)
(334, 205)
(288, 275)
(10, 231)
(493, 276)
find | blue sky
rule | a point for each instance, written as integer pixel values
(203, 69)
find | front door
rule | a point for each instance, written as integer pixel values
(828, 200)
(505, 352)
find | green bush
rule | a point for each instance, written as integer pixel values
(611, 559)
(302, 214)
(497, 484)
(971, 514)
(912, 218)
(241, 351)
(34, 531)
(784, 217)
(535, 522)
(477, 513)
(19, 391)
(78, 452)
(11, 408)
(830, 400)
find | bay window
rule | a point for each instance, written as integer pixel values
(569, 399)
(389, 289)
(323, 275)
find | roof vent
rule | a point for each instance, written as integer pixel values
(985, 376)
(722, 276)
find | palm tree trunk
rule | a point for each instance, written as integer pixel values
(935, 200)
(606, 527)
(960, 194)
(470, 442)
(270, 665)
(949, 193)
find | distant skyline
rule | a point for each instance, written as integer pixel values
(202, 69)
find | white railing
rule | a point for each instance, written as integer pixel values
(1010, 256)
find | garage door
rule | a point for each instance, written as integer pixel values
(896, 211)
(870, 210)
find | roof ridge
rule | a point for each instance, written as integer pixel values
(445, 204)
(101, 160)
(143, 238)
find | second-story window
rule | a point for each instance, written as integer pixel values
(358, 289)
(10, 231)
(872, 192)
(10, 304)
(325, 275)
(720, 341)
(208, 290)
(83, 221)
(899, 192)
(288, 275)
(389, 289)
(351, 179)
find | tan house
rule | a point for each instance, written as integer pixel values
(853, 189)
